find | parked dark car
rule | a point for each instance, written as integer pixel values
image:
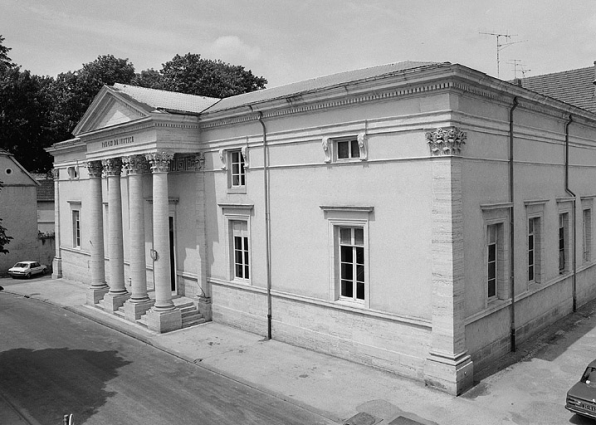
(26, 269)
(581, 398)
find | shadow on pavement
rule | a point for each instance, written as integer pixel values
(548, 344)
(50, 383)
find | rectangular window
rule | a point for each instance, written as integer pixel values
(563, 241)
(351, 263)
(237, 170)
(347, 149)
(241, 249)
(534, 233)
(76, 229)
(493, 260)
(587, 235)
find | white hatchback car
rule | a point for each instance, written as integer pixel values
(26, 269)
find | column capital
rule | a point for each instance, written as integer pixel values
(94, 168)
(446, 141)
(112, 166)
(135, 164)
(160, 161)
(56, 174)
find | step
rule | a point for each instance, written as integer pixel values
(193, 322)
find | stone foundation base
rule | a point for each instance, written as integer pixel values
(164, 321)
(451, 375)
(94, 295)
(204, 307)
(112, 302)
(134, 310)
(57, 268)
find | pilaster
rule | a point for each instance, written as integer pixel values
(204, 304)
(449, 366)
(57, 261)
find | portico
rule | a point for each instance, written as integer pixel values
(113, 294)
(126, 210)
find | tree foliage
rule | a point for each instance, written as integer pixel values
(5, 61)
(74, 91)
(191, 74)
(36, 112)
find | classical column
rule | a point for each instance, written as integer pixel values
(57, 262)
(117, 294)
(163, 317)
(201, 232)
(98, 287)
(449, 366)
(139, 301)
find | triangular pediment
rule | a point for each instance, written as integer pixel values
(109, 109)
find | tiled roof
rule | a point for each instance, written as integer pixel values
(45, 192)
(315, 84)
(155, 99)
(575, 87)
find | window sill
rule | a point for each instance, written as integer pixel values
(354, 304)
(237, 189)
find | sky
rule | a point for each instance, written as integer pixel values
(293, 40)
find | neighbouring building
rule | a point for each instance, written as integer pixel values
(421, 218)
(45, 203)
(18, 206)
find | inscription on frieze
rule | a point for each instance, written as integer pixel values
(117, 142)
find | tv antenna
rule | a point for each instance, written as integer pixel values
(501, 45)
(517, 64)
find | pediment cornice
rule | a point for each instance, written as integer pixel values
(109, 109)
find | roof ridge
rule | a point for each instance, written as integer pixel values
(120, 85)
(560, 72)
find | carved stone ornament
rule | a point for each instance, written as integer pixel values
(94, 168)
(112, 166)
(326, 149)
(224, 159)
(244, 151)
(135, 164)
(199, 161)
(362, 147)
(160, 161)
(446, 141)
(56, 173)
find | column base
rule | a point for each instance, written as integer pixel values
(112, 302)
(448, 374)
(96, 294)
(133, 310)
(204, 306)
(56, 268)
(164, 321)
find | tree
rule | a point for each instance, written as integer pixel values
(24, 129)
(5, 61)
(191, 74)
(74, 91)
(4, 239)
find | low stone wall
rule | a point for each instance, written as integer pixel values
(374, 339)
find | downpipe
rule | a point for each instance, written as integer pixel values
(512, 228)
(570, 193)
(267, 223)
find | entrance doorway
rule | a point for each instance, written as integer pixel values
(172, 256)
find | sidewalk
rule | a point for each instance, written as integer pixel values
(334, 388)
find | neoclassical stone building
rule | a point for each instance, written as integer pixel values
(422, 218)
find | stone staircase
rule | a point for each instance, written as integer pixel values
(188, 309)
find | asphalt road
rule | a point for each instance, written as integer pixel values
(53, 362)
